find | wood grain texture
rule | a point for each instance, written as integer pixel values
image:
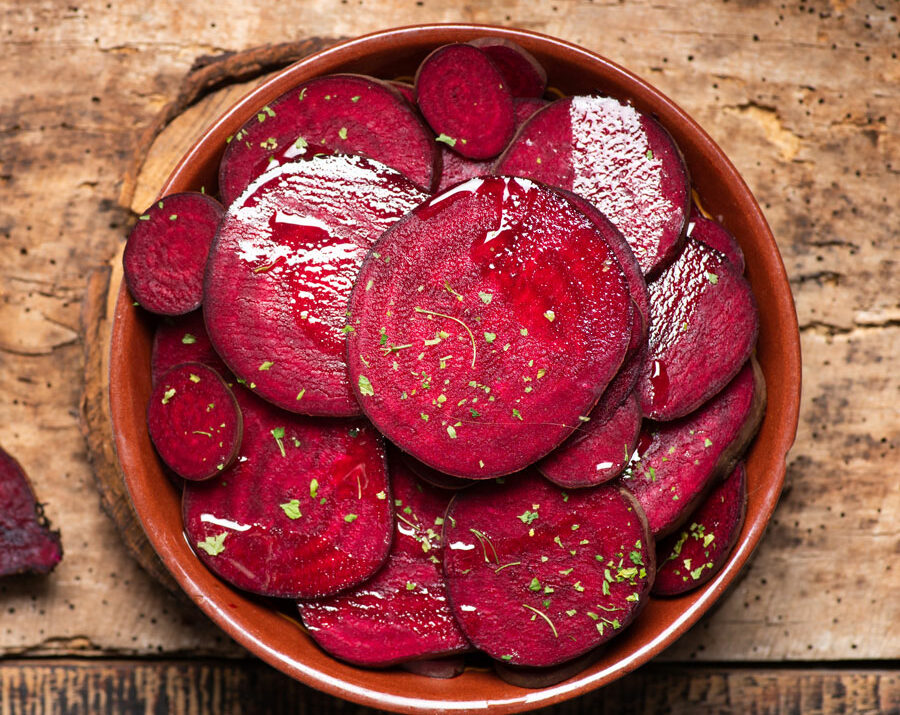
(803, 99)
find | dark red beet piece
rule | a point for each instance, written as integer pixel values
(27, 545)
(521, 71)
(485, 323)
(401, 613)
(349, 114)
(600, 450)
(430, 475)
(620, 160)
(538, 576)
(464, 99)
(184, 339)
(703, 328)
(167, 250)
(407, 90)
(282, 267)
(441, 668)
(525, 677)
(194, 421)
(305, 512)
(691, 557)
(676, 462)
(715, 235)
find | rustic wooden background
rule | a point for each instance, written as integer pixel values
(804, 98)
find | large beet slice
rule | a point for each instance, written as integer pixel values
(619, 159)
(521, 71)
(602, 447)
(27, 545)
(485, 324)
(402, 612)
(349, 114)
(538, 576)
(689, 558)
(465, 100)
(184, 339)
(167, 250)
(676, 462)
(703, 328)
(305, 512)
(194, 421)
(281, 270)
(715, 235)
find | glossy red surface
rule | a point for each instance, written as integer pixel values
(264, 631)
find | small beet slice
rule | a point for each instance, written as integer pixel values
(429, 474)
(345, 113)
(600, 450)
(305, 512)
(690, 558)
(407, 90)
(617, 158)
(525, 677)
(281, 270)
(538, 576)
(401, 613)
(522, 73)
(184, 339)
(166, 252)
(464, 99)
(676, 462)
(194, 421)
(27, 545)
(485, 323)
(703, 328)
(441, 668)
(715, 235)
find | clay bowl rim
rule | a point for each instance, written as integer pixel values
(269, 634)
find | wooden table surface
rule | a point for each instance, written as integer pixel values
(802, 96)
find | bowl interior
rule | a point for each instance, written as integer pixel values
(266, 631)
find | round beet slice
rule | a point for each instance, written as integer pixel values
(305, 512)
(194, 421)
(703, 328)
(167, 251)
(619, 159)
(430, 475)
(691, 557)
(521, 71)
(485, 324)
(401, 613)
(184, 339)
(345, 113)
(465, 100)
(538, 576)
(715, 235)
(281, 270)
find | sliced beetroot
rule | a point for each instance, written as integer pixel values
(27, 544)
(715, 235)
(184, 339)
(676, 462)
(485, 323)
(167, 250)
(441, 668)
(465, 100)
(282, 267)
(305, 512)
(617, 158)
(525, 677)
(430, 475)
(349, 114)
(600, 449)
(406, 89)
(691, 557)
(538, 576)
(703, 328)
(194, 421)
(521, 71)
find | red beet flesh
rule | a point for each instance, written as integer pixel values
(27, 545)
(521, 72)
(715, 235)
(703, 328)
(167, 250)
(194, 421)
(691, 557)
(538, 576)
(184, 339)
(620, 160)
(282, 267)
(430, 475)
(484, 324)
(305, 512)
(525, 677)
(676, 462)
(464, 99)
(349, 114)
(402, 612)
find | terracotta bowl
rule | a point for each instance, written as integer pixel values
(265, 631)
